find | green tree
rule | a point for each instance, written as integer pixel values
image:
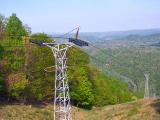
(2, 25)
(15, 27)
(2, 62)
(17, 83)
(41, 36)
(1, 52)
(14, 57)
(81, 90)
(40, 57)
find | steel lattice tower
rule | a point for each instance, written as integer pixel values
(62, 108)
(146, 92)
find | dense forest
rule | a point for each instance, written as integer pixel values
(23, 78)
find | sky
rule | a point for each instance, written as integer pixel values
(51, 16)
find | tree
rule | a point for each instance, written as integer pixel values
(2, 63)
(1, 52)
(2, 25)
(15, 27)
(14, 57)
(14, 30)
(28, 29)
(40, 82)
(41, 36)
(80, 86)
(16, 84)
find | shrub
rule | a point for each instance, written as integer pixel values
(16, 85)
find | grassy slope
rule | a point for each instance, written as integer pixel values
(140, 110)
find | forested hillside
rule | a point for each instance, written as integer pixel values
(24, 74)
(129, 59)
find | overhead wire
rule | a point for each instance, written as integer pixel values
(104, 63)
(25, 45)
(62, 36)
(68, 32)
(107, 54)
(113, 57)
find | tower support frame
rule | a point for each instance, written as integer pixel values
(146, 87)
(62, 107)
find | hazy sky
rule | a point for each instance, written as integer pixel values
(92, 15)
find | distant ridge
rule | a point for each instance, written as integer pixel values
(103, 36)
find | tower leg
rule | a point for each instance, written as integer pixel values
(146, 94)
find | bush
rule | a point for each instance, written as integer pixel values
(16, 85)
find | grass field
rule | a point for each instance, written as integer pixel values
(148, 109)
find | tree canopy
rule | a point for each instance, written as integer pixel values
(15, 27)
